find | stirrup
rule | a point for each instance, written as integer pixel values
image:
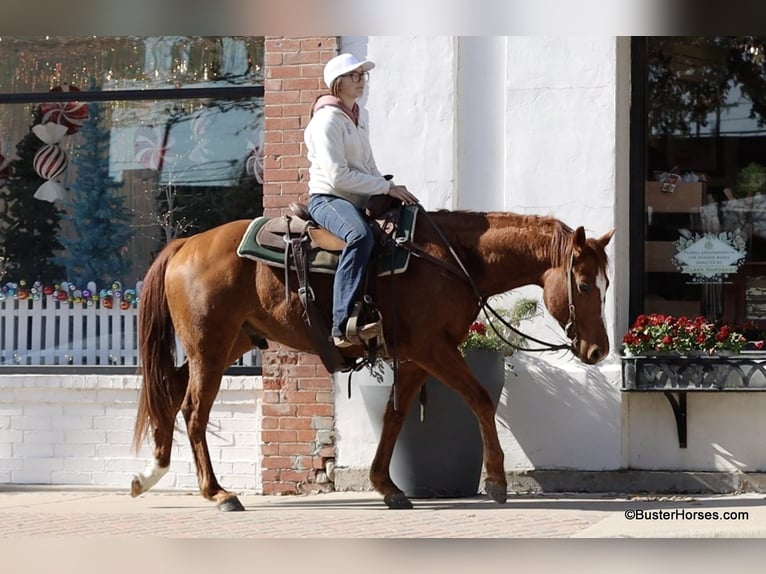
(341, 342)
(360, 334)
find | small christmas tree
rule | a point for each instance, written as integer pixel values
(31, 225)
(98, 221)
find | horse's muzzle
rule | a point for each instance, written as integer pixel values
(589, 354)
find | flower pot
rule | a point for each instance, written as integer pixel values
(441, 455)
(681, 373)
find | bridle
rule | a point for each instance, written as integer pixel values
(570, 328)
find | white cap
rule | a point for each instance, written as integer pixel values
(344, 64)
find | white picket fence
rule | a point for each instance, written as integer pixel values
(47, 331)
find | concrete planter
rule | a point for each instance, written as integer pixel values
(440, 456)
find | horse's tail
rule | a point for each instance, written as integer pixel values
(157, 349)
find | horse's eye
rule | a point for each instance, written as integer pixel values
(584, 287)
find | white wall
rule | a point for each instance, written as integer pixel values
(411, 105)
(561, 160)
(724, 432)
(78, 430)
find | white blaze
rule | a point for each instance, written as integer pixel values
(601, 283)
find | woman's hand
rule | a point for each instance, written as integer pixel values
(400, 192)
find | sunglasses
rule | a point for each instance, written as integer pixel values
(357, 77)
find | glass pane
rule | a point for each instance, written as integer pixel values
(160, 169)
(705, 192)
(38, 64)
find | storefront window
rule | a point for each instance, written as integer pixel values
(109, 148)
(704, 180)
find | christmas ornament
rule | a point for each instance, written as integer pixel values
(68, 114)
(200, 125)
(50, 133)
(150, 146)
(50, 161)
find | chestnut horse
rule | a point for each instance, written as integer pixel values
(220, 306)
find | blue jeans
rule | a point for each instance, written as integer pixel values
(344, 220)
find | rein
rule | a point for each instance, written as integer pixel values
(570, 328)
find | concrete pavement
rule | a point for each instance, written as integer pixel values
(66, 513)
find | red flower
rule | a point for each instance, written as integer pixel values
(663, 333)
(478, 328)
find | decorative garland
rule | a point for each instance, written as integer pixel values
(70, 293)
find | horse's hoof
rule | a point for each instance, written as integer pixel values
(496, 492)
(397, 501)
(136, 487)
(231, 505)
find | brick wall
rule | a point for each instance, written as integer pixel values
(298, 405)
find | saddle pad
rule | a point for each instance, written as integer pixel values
(321, 261)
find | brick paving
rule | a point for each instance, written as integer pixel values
(337, 515)
(62, 514)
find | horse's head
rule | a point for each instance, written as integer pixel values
(575, 291)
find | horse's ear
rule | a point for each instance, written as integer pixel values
(603, 241)
(578, 241)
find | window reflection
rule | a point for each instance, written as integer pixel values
(706, 178)
(175, 166)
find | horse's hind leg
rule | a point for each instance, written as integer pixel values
(410, 379)
(163, 439)
(204, 383)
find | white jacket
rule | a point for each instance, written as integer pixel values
(341, 158)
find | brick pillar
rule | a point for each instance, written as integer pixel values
(298, 404)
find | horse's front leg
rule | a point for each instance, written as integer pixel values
(410, 378)
(451, 369)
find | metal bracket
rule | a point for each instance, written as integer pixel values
(679, 412)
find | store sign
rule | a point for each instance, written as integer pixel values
(710, 257)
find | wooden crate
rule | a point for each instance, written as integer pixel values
(658, 256)
(679, 308)
(687, 197)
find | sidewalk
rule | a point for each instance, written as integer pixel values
(56, 513)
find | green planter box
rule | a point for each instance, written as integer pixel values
(440, 456)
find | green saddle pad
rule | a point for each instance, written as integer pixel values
(322, 261)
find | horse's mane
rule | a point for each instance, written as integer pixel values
(552, 236)
(561, 242)
(561, 246)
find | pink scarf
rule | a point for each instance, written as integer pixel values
(329, 100)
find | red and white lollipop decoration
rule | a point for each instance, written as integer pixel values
(150, 146)
(69, 114)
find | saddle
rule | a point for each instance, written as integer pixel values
(276, 233)
(296, 242)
